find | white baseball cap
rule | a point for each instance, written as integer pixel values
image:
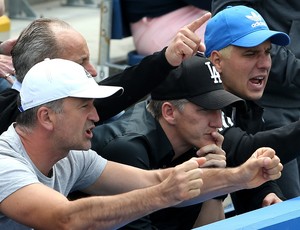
(54, 79)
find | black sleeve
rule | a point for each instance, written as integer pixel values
(251, 199)
(239, 145)
(285, 66)
(137, 81)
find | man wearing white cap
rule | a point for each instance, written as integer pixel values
(46, 154)
(238, 42)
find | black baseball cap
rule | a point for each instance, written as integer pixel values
(198, 81)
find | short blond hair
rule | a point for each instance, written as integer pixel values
(226, 52)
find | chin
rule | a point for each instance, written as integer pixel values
(254, 97)
(85, 147)
(257, 98)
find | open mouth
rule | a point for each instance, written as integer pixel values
(257, 80)
(89, 132)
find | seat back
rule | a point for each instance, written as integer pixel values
(121, 29)
(113, 25)
(120, 25)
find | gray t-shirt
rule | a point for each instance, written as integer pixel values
(77, 171)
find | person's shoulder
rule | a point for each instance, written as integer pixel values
(115, 142)
(10, 145)
(81, 157)
(127, 126)
(8, 97)
(8, 94)
(8, 108)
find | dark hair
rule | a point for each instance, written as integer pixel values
(35, 43)
(28, 118)
(154, 106)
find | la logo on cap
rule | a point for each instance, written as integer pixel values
(214, 74)
(259, 21)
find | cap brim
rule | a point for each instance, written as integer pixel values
(258, 37)
(214, 100)
(100, 91)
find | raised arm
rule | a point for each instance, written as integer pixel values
(138, 81)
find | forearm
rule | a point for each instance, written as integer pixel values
(221, 181)
(217, 182)
(45, 208)
(112, 212)
(211, 211)
(135, 178)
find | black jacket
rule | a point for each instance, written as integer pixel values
(248, 134)
(8, 108)
(137, 81)
(137, 139)
(243, 136)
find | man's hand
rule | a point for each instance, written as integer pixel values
(261, 167)
(184, 182)
(6, 65)
(186, 43)
(270, 199)
(6, 68)
(214, 154)
(6, 46)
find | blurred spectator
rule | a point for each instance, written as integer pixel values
(154, 23)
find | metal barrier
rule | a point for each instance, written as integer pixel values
(105, 36)
(80, 3)
(113, 25)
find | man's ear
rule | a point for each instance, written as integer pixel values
(216, 59)
(167, 111)
(45, 117)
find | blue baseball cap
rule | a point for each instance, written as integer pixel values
(240, 26)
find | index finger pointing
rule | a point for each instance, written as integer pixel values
(199, 22)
